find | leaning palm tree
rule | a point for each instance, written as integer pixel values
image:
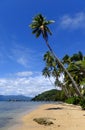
(40, 26)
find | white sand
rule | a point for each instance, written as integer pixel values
(63, 116)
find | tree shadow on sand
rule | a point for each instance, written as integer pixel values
(57, 108)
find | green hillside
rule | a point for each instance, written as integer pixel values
(51, 95)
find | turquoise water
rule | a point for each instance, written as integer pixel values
(11, 111)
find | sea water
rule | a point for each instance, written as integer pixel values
(11, 111)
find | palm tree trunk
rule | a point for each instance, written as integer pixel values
(65, 91)
(65, 70)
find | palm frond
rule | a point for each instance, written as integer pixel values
(45, 35)
(38, 33)
(39, 26)
(35, 30)
(48, 22)
(48, 30)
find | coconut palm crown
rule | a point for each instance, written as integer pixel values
(40, 26)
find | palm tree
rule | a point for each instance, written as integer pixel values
(78, 71)
(53, 69)
(40, 26)
(76, 67)
(77, 57)
(46, 72)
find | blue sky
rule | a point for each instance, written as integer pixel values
(21, 54)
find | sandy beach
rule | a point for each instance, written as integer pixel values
(63, 116)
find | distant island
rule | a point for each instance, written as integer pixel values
(14, 98)
(51, 95)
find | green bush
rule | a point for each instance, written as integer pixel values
(76, 101)
(73, 100)
(82, 104)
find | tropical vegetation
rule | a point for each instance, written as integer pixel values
(71, 68)
(75, 65)
(51, 95)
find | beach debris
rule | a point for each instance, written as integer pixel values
(44, 121)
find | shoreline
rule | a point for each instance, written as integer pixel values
(64, 117)
(17, 119)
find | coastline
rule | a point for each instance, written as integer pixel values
(20, 109)
(63, 116)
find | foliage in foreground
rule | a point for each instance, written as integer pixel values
(82, 104)
(73, 100)
(76, 101)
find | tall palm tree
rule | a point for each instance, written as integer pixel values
(40, 26)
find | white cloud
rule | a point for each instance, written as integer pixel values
(24, 74)
(24, 56)
(16, 53)
(75, 22)
(23, 61)
(61, 78)
(21, 55)
(30, 86)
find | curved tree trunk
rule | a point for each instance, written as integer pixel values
(65, 70)
(65, 91)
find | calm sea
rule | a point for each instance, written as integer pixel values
(11, 111)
